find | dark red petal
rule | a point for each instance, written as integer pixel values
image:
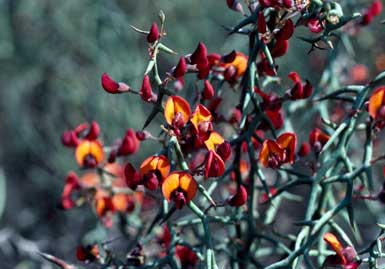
(239, 198)
(94, 131)
(181, 68)
(261, 26)
(145, 91)
(109, 85)
(286, 31)
(199, 56)
(208, 90)
(153, 35)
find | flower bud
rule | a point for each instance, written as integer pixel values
(131, 176)
(129, 144)
(199, 56)
(208, 90)
(69, 139)
(304, 149)
(111, 86)
(145, 91)
(296, 92)
(142, 135)
(235, 5)
(307, 90)
(239, 198)
(181, 68)
(93, 132)
(153, 35)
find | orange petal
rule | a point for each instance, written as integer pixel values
(188, 184)
(103, 205)
(87, 147)
(269, 148)
(175, 104)
(90, 180)
(170, 184)
(120, 202)
(288, 141)
(201, 114)
(154, 163)
(214, 140)
(240, 63)
(335, 244)
(376, 101)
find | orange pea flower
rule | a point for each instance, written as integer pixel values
(201, 120)
(154, 170)
(275, 153)
(177, 111)
(345, 258)
(213, 141)
(89, 153)
(317, 139)
(288, 141)
(235, 68)
(180, 187)
(377, 104)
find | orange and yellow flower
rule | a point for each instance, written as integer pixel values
(275, 153)
(177, 111)
(214, 140)
(201, 120)
(89, 153)
(154, 170)
(180, 187)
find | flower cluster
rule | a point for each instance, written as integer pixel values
(216, 153)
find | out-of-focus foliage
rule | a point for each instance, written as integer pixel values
(52, 53)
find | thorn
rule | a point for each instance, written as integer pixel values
(62, 264)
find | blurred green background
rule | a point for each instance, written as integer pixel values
(52, 54)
